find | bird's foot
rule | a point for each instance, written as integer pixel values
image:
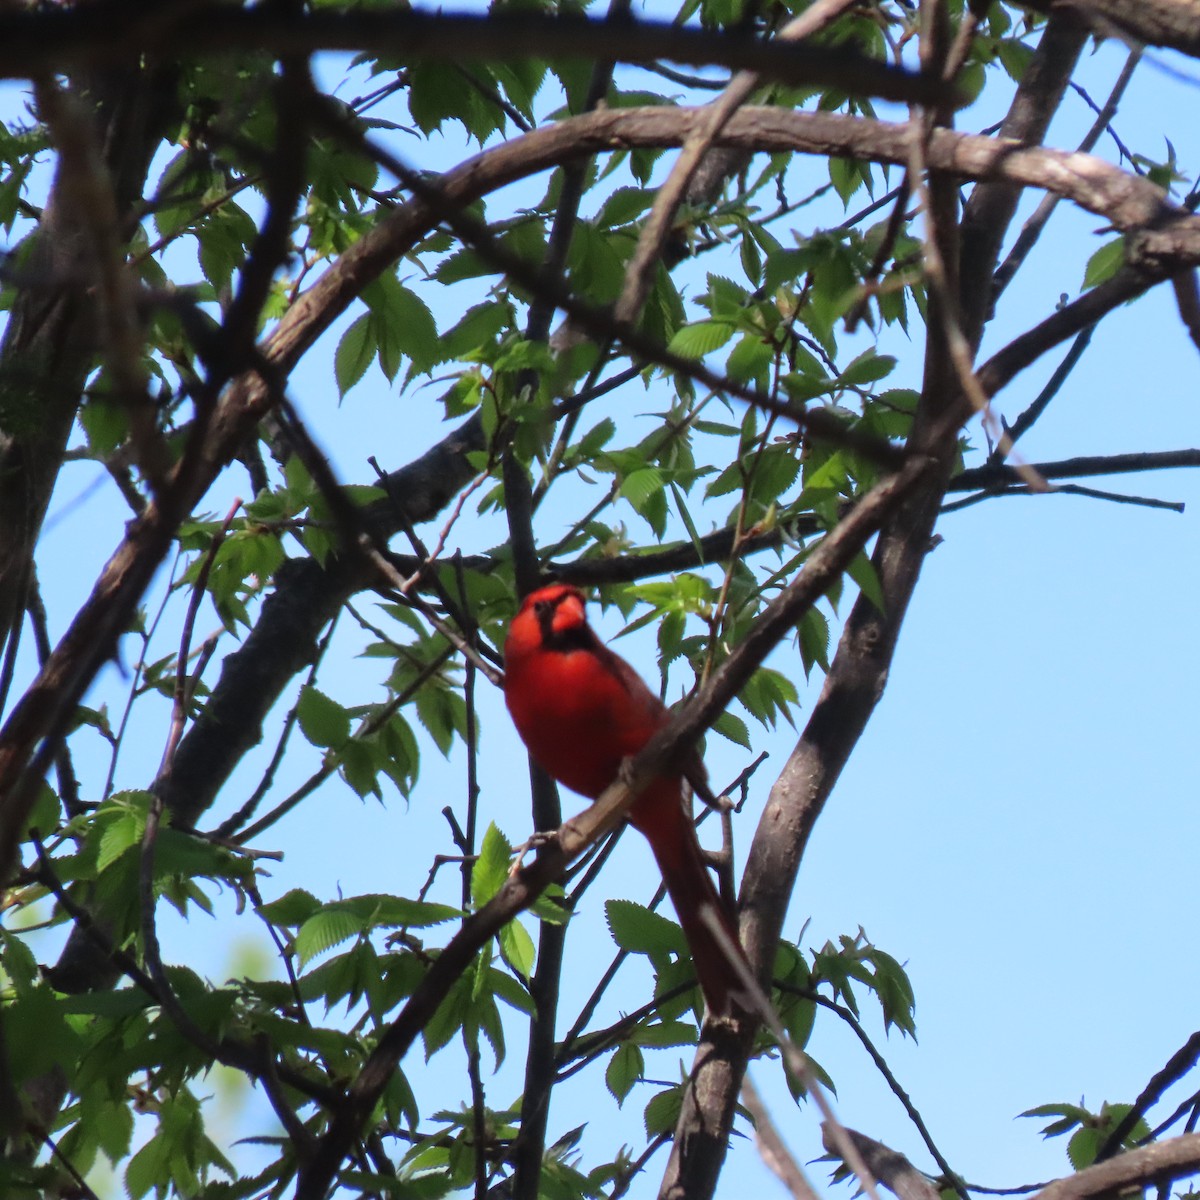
(534, 842)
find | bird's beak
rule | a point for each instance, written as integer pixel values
(570, 613)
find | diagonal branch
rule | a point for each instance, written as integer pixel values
(1160, 1162)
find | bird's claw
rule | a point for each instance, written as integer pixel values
(534, 842)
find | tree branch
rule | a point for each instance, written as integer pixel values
(34, 41)
(1157, 1163)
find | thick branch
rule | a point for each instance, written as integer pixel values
(1174, 24)
(1160, 1162)
(39, 40)
(889, 1166)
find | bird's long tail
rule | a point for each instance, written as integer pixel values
(659, 815)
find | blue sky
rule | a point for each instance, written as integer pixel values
(1018, 824)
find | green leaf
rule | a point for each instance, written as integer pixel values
(415, 329)
(867, 368)
(1105, 263)
(324, 930)
(640, 487)
(624, 205)
(662, 1113)
(324, 721)
(734, 728)
(701, 338)
(105, 423)
(118, 836)
(1084, 1146)
(814, 641)
(636, 929)
(354, 354)
(750, 360)
(846, 175)
(862, 571)
(666, 1033)
(45, 814)
(491, 867)
(291, 909)
(516, 946)
(148, 1168)
(449, 1016)
(625, 1068)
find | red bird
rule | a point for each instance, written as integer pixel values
(581, 710)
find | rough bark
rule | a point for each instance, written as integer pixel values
(49, 345)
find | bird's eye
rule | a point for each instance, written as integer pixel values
(543, 606)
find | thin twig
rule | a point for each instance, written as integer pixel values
(1032, 229)
(185, 688)
(952, 1178)
(1175, 1068)
(772, 1149)
(1065, 489)
(957, 345)
(332, 761)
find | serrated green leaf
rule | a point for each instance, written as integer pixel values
(662, 1034)
(415, 329)
(700, 338)
(119, 836)
(1084, 1146)
(661, 1115)
(636, 929)
(640, 487)
(624, 1069)
(491, 867)
(516, 946)
(148, 1168)
(733, 728)
(449, 1016)
(323, 721)
(291, 909)
(867, 368)
(324, 930)
(814, 640)
(846, 176)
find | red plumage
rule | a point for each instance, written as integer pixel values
(581, 711)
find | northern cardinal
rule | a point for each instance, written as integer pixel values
(581, 711)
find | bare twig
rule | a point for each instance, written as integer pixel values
(1175, 1068)
(376, 721)
(1032, 229)
(772, 1149)
(185, 687)
(951, 1177)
